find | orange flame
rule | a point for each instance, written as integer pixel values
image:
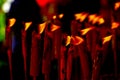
(101, 21)
(106, 39)
(83, 17)
(85, 31)
(96, 19)
(54, 17)
(91, 17)
(54, 27)
(114, 25)
(117, 5)
(42, 27)
(12, 22)
(61, 16)
(78, 16)
(27, 25)
(77, 40)
(68, 40)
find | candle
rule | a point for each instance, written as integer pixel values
(63, 56)
(24, 53)
(35, 58)
(37, 51)
(9, 43)
(47, 53)
(114, 27)
(76, 50)
(56, 31)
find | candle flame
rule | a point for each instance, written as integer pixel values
(114, 25)
(85, 31)
(117, 5)
(91, 17)
(78, 16)
(12, 22)
(61, 16)
(54, 17)
(96, 19)
(27, 25)
(68, 40)
(83, 17)
(54, 27)
(77, 40)
(42, 27)
(106, 39)
(101, 21)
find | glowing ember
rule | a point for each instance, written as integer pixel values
(42, 27)
(77, 40)
(12, 22)
(106, 39)
(68, 40)
(101, 21)
(91, 17)
(117, 5)
(54, 27)
(85, 31)
(114, 25)
(27, 25)
(54, 17)
(61, 16)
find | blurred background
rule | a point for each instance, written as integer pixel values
(34, 10)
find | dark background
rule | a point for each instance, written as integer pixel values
(28, 10)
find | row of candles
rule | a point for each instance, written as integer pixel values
(53, 40)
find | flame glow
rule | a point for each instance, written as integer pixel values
(91, 17)
(96, 19)
(54, 17)
(78, 16)
(27, 25)
(54, 27)
(61, 16)
(101, 21)
(114, 25)
(12, 22)
(77, 40)
(85, 31)
(42, 27)
(68, 40)
(83, 17)
(106, 39)
(117, 5)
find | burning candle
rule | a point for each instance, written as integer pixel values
(9, 43)
(24, 53)
(36, 51)
(47, 53)
(77, 49)
(56, 31)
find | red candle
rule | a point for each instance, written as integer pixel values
(47, 53)
(102, 52)
(35, 55)
(24, 53)
(77, 49)
(9, 44)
